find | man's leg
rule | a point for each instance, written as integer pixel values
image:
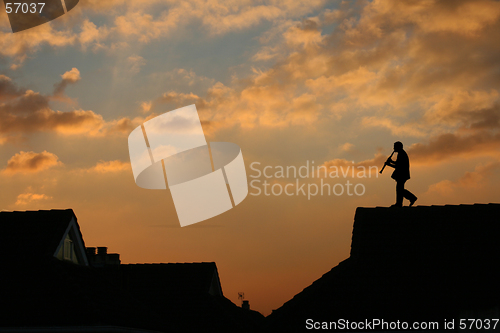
(410, 196)
(400, 188)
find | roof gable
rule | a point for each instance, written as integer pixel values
(72, 237)
(31, 235)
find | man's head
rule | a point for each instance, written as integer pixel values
(398, 146)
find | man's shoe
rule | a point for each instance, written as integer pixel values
(412, 202)
(396, 205)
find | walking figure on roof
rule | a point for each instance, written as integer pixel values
(401, 174)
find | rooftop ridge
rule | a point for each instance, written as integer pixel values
(171, 263)
(38, 211)
(427, 206)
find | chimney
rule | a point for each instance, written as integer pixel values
(102, 251)
(90, 251)
(245, 305)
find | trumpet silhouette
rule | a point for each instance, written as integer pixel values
(386, 162)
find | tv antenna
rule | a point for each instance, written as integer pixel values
(244, 302)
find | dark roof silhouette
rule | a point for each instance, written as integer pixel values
(43, 291)
(173, 278)
(410, 263)
(33, 233)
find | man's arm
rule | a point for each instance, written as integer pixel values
(390, 163)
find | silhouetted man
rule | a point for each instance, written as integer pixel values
(401, 174)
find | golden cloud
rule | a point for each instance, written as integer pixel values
(71, 76)
(462, 17)
(146, 106)
(305, 34)
(474, 179)
(110, 166)
(438, 149)
(91, 34)
(448, 145)
(177, 98)
(135, 63)
(31, 162)
(383, 61)
(8, 89)
(219, 17)
(26, 111)
(399, 130)
(436, 61)
(68, 77)
(72, 122)
(26, 198)
(371, 166)
(18, 45)
(24, 103)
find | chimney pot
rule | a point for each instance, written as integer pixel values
(90, 251)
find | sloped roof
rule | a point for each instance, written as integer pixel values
(382, 231)
(172, 278)
(434, 213)
(29, 234)
(180, 294)
(421, 263)
(50, 292)
(42, 291)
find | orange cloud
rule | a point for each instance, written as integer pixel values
(346, 147)
(399, 130)
(146, 106)
(31, 162)
(20, 44)
(8, 89)
(305, 34)
(461, 107)
(26, 111)
(123, 126)
(110, 166)
(91, 34)
(69, 77)
(462, 17)
(474, 179)
(24, 103)
(260, 100)
(218, 17)
(384, 63)
(371, 166)
(178, 98)
(144, 27)
(72, 122)
(26, 198)
(438, 149)
(384, 60)
(445, 146)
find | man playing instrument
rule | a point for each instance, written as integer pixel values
(401, 174)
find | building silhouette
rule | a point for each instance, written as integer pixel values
(51, 283)
(424, 263)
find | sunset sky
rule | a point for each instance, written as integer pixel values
(292, 82)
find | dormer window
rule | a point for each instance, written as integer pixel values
(68, 249)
